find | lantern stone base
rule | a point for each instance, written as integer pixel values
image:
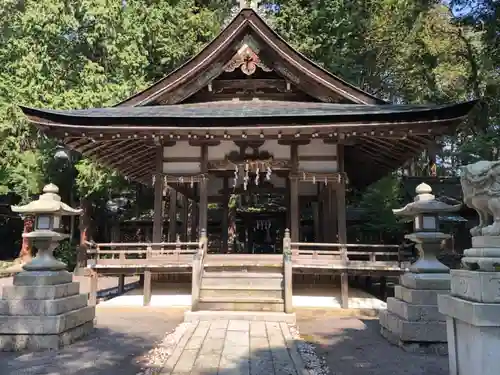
(412, 319)
(43, 310)
(473, 320)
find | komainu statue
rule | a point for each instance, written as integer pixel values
(481, 187)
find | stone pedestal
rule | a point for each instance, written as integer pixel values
(43, 310)
(412, 319)
(472, 313)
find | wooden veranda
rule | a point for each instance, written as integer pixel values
(147, 259)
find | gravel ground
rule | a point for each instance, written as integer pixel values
(354, 346)
(118, 346)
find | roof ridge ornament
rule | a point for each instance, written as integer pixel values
(252, 4)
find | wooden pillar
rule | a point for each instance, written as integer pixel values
(194, 221)
(203, 190)
(158, 197)
(115, 237)
(287, 202)
(341, 225)
(172, 215)
(316, 223)
(147, 290)
(383, 288)
(319, 234)
(184, 219)
(341, 202)
(93, 288)
(294, 193)
(85, 235)
(333, 227)
(225, 214)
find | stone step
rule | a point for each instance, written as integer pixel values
(241, 304)
(256, 316)
(229, 292)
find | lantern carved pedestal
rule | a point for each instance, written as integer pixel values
(44, 309)
(412, 319)
(472, 309)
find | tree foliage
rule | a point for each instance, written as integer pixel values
(88, 53)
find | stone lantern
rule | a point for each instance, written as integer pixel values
(47, 211)
(43, 309)
(424, 211)
(412, 319)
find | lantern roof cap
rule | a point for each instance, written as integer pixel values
(425, 203)
(47, 203)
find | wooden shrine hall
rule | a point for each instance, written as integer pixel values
(250, 115)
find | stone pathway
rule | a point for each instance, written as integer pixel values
(235, 347)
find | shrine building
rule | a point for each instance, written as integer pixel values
(250, 115)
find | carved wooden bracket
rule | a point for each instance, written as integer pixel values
(247, 60)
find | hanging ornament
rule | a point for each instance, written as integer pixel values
(257, 176)
(314, 179)
(268, 173)
(326, 181)
(181, 179)
(192, 182)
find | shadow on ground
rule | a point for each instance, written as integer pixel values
(117, 346)
(354, 346)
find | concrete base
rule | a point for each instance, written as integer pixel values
(415, 347)
(476, 285)
(473, 335)
(191, 316)
(43, 310)
(19, 342)
(412, 319)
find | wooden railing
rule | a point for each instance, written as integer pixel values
(345, 255)
(197, 271)
(140, 254)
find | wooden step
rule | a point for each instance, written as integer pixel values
(241, 283)
(241, 304)
(232, 274)
(264, 269)
(231, 293)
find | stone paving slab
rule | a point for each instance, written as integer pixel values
(230, 347)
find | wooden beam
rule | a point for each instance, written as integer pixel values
(249, 84)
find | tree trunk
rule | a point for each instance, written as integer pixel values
(25, 253)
